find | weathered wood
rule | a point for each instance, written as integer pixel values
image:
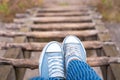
(60, 26)
(110, 74)
(59, 9)
(62, 19)
(77, 13)
(32, 64)
(93, 53)
(63, 26)
(56, 19)
(103, 60)
(62, 10)
(109, 51)
(49, 34)
(34, 46)
(102, 37)
(115, 68)
(21, 15)
(105, 36)
(21, 63)
(8, 72)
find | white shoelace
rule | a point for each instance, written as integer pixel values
(73, 50)
(56, 66)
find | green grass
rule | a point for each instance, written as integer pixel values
(4, 8)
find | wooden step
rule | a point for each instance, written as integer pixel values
(60, 9)
(77, 13)
(38, 46)
(58, 26)
(63, 26)
(55, 19)
(51, 34)
(33, 64)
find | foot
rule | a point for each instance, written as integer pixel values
(73, 49)
(51, 62)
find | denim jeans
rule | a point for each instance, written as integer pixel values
(77, 70)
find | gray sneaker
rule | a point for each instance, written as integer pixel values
(73, 49)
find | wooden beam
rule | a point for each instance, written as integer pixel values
(60, 26)
(109, 50)
(49, 34)
(64, 26)
(60, 9)
(33, 64)
(34, 46)
(56, 19)
(8, 72)
(62, 19)
(21, 15)
(77, 13)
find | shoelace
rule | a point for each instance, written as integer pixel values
(74, 50)
(55, 65)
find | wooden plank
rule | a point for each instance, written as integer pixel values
(26, 54)
(21, 15)
(63, 26)
(32, 73)
(62, 19)
(33, 64)
(56, 19)
(115, 68)
(59, 9)
(93, 53)
(60, 26)
(77, 13)
(35, 46)
(49, 34)
(100, 52)
(103, 36)
(62, 9)
(8, 71)
(110, 50)
(110, 74)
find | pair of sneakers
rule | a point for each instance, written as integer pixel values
(55, 57)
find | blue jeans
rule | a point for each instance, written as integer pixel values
(77, 70)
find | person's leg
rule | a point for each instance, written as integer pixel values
(51, 63)
(79, 70)
(75, 61)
